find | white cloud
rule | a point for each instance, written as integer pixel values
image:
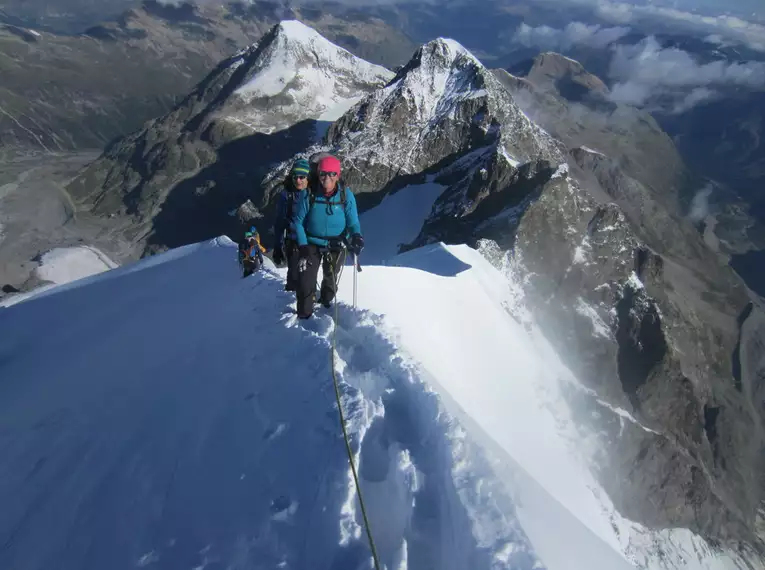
(731, 28)
(649, 63)
(698, 95)
(644, 71)
(631, 93)
(646, 74)
(726, 27)
(574, 34)
(617, 13)
(700, 204)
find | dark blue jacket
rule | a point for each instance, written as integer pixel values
(286, 205)
(326, 218)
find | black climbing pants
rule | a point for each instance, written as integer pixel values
(332, 261)
(292, 254)
(249, 266)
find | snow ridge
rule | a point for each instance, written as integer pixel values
(279, 492)
(220, 445)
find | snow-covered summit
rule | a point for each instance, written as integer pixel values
(443, 52)
(295, 73)
(441, 73)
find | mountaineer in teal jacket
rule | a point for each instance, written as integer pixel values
(326, 220)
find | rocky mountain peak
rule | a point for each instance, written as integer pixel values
(566, 100)
(564, 75)
(442, 103)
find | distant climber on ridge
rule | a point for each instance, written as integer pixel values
(284, 224)
(251, 252)
(326, 220)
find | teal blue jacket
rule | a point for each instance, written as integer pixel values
(326, 218)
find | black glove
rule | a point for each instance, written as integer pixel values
(278, 255)
(356, 244)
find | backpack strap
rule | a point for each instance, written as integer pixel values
(289, 198)
(312, 198)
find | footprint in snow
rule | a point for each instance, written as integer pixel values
(274, 431)
(282, 507)
(320, 325)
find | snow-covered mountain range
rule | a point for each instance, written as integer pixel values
(662, 337)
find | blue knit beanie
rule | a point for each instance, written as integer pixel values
(301, 167)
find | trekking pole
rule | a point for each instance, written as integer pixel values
(355, 279)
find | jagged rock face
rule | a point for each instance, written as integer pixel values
(443, 103)
(582, 115)
(672, 341)
(258, 107)
(555, 72)
(588, 119)
(652, 333)
(644, 206)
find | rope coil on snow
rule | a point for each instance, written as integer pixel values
(333, 350)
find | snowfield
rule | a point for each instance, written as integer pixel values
(170, 414)
(63, 265)
(66, 264)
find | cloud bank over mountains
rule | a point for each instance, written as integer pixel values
(646, 70)
(574, 34)
(723, 27)
(643, 73)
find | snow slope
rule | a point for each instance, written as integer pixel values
(398, 219)
(170, 414)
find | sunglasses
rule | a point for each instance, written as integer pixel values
(299, 177)
(324, 174)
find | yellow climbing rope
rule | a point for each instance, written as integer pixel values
(345, 432)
